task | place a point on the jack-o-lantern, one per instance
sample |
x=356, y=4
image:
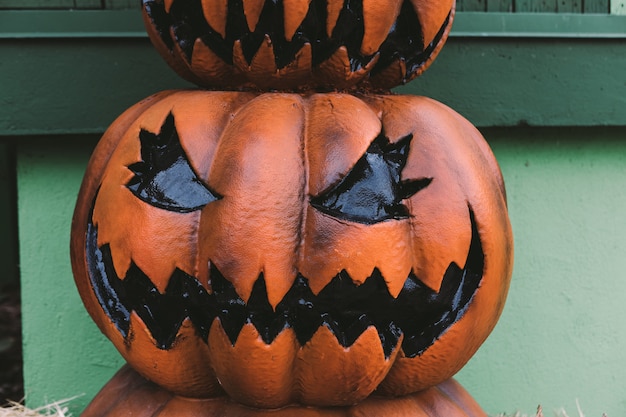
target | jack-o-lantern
x=297, y=44
x=290, y=248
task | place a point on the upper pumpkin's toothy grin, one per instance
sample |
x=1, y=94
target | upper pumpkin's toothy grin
x=184, y=23
x=347, y=309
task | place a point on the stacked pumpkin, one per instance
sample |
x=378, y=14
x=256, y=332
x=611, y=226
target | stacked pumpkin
x=327, y=248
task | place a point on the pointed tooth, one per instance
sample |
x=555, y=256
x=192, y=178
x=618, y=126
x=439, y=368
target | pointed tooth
x=239, y=59
x=330, y=245
x=339, y=61
x=396, y=271
x=407, y=373
x=125, y=251
x=333, y=10
x=440, y=236
x=233, y=275
x=295, y=12
x=172, y=368
x=359, y=272
x=378, y=18
x=264, y=60
x=252, y=10
x=394, y=266
x=391, y=76
x=211, y=68
x=301, y=66
x=173, y=56
x=430, y=276
x=120, y=254
x=264, y=57
x=337, y=71
x=252, y=372
x=321, y=281
x=431, y=16
x=215, y=13
x=243, y=287
x=278, y=283
x=180, y=62
x=329, y=373
x=430, y=269
x=168, y=5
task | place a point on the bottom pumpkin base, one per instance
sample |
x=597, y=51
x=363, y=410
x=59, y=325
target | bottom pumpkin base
x=129, y=394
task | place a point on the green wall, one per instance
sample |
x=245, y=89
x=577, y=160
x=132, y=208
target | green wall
x=561, y=336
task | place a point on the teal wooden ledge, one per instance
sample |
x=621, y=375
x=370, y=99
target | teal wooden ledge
x=37, y=24
x=73, y=72
x=21, y=24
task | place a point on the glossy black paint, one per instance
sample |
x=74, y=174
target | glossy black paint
x=347, y=309
x=404, y=42
x=164, y=178
x=373, y=190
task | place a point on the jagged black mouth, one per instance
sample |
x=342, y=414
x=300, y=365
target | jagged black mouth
x=185, y=19
x=419, y=313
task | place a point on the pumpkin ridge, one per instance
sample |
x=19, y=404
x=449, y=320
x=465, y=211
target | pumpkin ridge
x=306, y=166
x=339, y=306
x=121, y=391
x=161, y=407
x=455, y=392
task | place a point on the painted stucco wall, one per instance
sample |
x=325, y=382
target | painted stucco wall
x=561, y=337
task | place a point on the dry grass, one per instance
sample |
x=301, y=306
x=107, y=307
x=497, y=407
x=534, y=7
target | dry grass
x=57, y=409
x=559, y=413
x=539, y=414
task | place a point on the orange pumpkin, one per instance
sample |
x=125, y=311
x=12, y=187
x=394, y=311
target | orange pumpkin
x=290, y=248
x=129, y=394
x=296, y=44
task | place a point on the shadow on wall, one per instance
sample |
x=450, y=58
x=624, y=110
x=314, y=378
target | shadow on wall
x=11, y=381
x=8, y=216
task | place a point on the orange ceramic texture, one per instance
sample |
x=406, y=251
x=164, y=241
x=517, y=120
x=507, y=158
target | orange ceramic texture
x=128, y=394
x=298, y=44
x=292, y=248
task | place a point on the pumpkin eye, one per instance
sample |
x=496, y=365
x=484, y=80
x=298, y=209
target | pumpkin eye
x=164, y=178
x=373, y=190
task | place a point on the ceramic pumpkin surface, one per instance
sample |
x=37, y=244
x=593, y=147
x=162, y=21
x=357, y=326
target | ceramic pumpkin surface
x=278, y=242
x=295, y=44
x=129, y=394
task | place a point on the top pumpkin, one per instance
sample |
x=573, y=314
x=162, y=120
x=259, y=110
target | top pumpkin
x=298, y=44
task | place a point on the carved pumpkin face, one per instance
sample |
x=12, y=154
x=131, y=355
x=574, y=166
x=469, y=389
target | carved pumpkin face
x=296, y=248
x=289, y=44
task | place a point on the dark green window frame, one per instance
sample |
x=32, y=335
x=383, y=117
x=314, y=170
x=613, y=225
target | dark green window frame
x=123, y=23
x=497, y=69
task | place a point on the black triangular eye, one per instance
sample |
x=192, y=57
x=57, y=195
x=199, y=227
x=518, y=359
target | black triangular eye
x=373, y=190
x=164, y=178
